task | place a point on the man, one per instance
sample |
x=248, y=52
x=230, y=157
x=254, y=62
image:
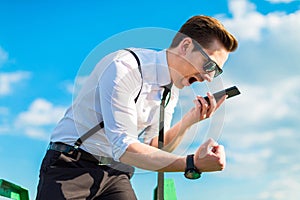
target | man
x=114, y=121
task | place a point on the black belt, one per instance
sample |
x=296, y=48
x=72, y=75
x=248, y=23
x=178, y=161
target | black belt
x=80, y=154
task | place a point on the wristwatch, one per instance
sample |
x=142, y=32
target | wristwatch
x=191, y=172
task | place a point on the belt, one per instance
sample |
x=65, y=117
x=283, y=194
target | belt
x=79, y=154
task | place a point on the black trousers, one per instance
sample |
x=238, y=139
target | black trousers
x=62, y=177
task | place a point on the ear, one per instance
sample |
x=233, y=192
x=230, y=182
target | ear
x=185, y=45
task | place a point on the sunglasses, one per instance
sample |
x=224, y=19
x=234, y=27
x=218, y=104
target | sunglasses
x=210, y=65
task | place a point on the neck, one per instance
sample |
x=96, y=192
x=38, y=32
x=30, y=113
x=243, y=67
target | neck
x=174, y=64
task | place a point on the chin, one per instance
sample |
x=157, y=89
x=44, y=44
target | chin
x=179, y=85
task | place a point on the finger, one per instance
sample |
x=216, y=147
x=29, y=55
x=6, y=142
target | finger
x=212, y=146
x=204, y=107
x=220, y=153
x=222, y=100
x=212, y=99
x=218, y=149
x=202, y=101
x=210, y=143
x=197, y=102
x=197, y=107
x=213, y=104
x=205, y=148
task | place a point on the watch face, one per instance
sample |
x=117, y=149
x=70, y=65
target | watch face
x=192, y=174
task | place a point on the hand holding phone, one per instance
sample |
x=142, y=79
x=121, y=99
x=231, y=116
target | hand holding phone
x=230, y=92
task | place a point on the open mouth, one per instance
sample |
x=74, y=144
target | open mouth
x=192, y=80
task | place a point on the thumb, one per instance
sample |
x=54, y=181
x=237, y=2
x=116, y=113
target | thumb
x=205, y=148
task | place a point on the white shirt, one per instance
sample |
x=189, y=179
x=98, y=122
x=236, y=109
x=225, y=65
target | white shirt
x=108, y=95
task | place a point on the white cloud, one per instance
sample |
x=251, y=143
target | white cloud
x=40, y=114
x=261, y=136
x=253, y=153
x=283, y=188
x=3, y=56
x=37, y=133
x=280, y=1
x=8, y=79
x=4, y=120
x=70, y=87
x=261, y=129
x=248, y=24
x=263, y=104
x=4, y=128
x=241, y=164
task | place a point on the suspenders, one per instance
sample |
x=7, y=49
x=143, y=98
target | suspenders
x=99, y=126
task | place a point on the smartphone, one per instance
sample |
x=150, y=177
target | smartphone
x=230, y=92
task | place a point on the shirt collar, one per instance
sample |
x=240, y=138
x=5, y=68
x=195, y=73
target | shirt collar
x=163, y=74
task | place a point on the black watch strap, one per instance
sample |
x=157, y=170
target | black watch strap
x=191, y=172
x=190, y=162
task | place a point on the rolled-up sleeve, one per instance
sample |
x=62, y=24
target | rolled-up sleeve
x=118, y=87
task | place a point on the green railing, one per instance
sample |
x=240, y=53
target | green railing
x=9, y=190
x=169, y=190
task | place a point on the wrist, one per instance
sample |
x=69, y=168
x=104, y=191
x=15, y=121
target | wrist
x=191, y=172
x=187, y=121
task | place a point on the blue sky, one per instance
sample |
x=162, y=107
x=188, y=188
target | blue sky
x=44, y=43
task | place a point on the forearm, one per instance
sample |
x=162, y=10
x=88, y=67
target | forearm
x=150, y=158
x=173, y=136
